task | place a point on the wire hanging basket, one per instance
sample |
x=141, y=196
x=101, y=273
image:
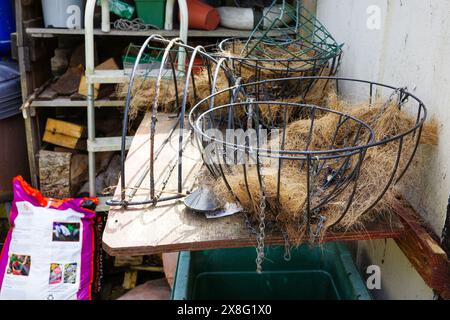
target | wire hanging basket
x=328, y=170
x=288, y=41
x=167, y=77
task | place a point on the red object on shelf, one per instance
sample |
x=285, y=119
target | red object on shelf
x=197, y=67
x=202, y=16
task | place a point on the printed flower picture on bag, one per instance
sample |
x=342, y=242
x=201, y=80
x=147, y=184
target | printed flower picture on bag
x=19, y=265
x=56, y=273
x=63, y=231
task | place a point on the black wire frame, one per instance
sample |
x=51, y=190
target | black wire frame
x=325, y=63
x=174, y=52
x=314, y=160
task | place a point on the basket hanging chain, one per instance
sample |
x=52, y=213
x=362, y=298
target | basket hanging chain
x=262, y=217
x=261, y=234
x=316, y=234
x=287, y=246
x=396, y=93
x=314, y=172
x=172, y=166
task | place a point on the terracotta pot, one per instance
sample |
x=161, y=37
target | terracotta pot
x=202, y=16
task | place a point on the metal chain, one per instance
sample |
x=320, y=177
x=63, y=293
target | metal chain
x=395, y=93
x=248, y=224
x=262, y=226
x=315, y=234
x=164, y=183
x=133, y=25
x=169, y=174
x=287, y=246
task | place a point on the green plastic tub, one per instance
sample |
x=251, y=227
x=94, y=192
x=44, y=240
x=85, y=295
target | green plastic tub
x=313, y=273
x=151, y=11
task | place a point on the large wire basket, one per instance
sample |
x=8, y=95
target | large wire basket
x=330, y=169
x=288, y=41
x=183, y=76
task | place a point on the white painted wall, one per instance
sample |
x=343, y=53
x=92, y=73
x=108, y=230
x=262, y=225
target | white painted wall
x=411, y=48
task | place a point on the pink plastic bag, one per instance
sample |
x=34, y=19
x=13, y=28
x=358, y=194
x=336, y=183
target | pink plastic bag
x=49, y=250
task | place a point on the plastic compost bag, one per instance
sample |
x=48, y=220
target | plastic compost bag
x=49, y=250
x=120, y=8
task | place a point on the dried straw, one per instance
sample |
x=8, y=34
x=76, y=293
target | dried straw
x=144, y=90
x=289, y=211
x=271, y=58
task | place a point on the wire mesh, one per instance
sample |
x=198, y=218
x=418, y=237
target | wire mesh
x=288, y=41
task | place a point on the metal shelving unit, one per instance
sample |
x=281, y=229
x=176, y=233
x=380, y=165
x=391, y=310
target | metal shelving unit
x=30, y=31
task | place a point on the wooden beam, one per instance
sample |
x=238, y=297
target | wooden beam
x=423, y=250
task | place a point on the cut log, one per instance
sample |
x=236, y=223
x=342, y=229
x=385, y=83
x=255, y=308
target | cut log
x=78, y=171
x=54, y=173
x=69, y=82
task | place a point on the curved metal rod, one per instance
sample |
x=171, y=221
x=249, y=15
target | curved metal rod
x=400, y=176
x=213, y=168
x=373, y=144
x=178, y=42
x=388, y=184
x=125, y=116
x=182, y=115
x=335, y=152
x=154, y=113
x=352, y=195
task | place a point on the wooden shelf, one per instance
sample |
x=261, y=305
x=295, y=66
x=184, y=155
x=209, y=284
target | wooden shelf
x=108, y=76
x=108, y=144
x=66, y=102
x=218, y=33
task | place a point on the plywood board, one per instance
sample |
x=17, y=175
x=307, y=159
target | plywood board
x=169, y=226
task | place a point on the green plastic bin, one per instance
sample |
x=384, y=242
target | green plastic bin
x=313, y=273
x=151, y=11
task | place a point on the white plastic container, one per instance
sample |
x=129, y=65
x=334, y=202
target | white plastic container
x=244, y=18
x=63, y=13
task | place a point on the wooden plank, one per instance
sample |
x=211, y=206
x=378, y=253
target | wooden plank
x=65, y=128
x=109, y=64
x=108, y=76
x=65, y=134
x=32, y=75
x=82, y=89
x=129, y=280
x=66, y=102
x=27, y=88
x=169, y=226
x=47, y=95
x=123, y=261
x=63, y=140
x=108, y=144
x=424, y=251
